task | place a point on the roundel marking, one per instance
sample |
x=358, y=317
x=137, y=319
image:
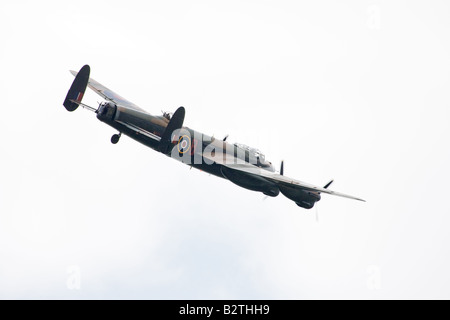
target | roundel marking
x=184, y=144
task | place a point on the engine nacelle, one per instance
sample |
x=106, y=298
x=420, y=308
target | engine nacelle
x=251, y=182
x=303, y=198
x=305, y=205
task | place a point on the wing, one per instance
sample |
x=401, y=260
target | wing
x=283, y=180
x=109, y=94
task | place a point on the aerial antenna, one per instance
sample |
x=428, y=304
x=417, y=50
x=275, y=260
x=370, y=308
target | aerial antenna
x=167, y=115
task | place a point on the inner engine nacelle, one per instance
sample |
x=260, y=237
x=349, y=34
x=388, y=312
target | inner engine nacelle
x=251, y=182
x=302, y=198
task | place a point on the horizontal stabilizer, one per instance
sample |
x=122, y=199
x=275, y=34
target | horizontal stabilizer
x=77, y=90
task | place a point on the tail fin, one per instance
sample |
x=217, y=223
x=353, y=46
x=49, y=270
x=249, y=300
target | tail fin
x=175, y=123
x=77, y=90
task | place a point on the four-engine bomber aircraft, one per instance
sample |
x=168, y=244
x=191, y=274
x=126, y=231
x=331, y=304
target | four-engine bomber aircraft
x=242, y=165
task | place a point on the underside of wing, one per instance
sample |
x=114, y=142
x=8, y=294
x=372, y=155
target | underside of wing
x=285, y=183
x=109, y=94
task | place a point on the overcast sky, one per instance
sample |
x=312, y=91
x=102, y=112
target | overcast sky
x=356, y=91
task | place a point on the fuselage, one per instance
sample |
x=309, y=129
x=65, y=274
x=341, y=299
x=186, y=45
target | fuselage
x=190, y=145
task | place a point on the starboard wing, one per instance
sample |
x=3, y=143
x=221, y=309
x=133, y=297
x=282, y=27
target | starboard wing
x=286, y=181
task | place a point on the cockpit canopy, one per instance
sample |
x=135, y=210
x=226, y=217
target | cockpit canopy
x=252, y=151
x=256, y=157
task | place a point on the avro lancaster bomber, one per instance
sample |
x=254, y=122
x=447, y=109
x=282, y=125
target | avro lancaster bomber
x=244, y=166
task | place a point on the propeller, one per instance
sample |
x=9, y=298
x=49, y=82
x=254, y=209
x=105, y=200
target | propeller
x=317, y=205
x=328, y=184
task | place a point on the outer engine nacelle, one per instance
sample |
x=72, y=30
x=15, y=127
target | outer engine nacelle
x=304, y=199
x=251, y=182
x=305, y=205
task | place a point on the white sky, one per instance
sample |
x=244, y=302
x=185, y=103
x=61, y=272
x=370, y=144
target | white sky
x=356, y=91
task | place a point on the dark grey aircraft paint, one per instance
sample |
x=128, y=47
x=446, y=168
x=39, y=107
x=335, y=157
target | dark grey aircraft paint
x=242, y=165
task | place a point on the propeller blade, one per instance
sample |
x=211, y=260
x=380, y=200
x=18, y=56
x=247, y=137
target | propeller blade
x=328, y=184
x=282, y=168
